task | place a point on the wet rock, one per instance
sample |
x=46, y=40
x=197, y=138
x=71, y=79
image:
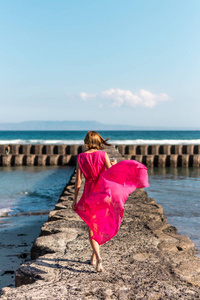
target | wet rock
x=23, y=255
x=52, y=243
x=8, y=272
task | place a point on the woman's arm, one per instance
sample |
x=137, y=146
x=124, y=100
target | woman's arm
x=108, y=163
x=77, y=184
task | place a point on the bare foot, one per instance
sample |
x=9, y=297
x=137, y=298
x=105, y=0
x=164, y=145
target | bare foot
x=99, y=266
x=93, y=259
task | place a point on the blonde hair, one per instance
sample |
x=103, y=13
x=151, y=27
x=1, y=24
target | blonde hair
x=93, y=140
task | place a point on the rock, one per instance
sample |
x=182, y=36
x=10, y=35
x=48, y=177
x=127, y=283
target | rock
x=8, y=272
x=53, y=227
x=52, y=243
x=62, y=214
x=141, y=256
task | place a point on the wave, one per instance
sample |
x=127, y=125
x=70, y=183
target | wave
x=4, y=211
x=43, y=142
x=156, y=142
x=114, y=142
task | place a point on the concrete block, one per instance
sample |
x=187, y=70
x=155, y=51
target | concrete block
x=196, y=149
x=36, y=149
x=139, y=158
x=164, y=149
x=72, y=149
x=162, y=160
x=5, y=149
x=2, y=149
x=185, y=160
x=149, y=161
x=131, y=149
x=121, y=149
x=155, y=149
x=6, y=160
x=52, y=160
x=41, y=160
x=14, y=149
x=65, y=159
x=29, y=160
x=60, y=149
x=187, y=149
x=26, y=149
x=190, y=149
x=176, y=149
x=173, y=160
x=49, y=149
x=144, y=149
x=18, y=160
x=196, y=160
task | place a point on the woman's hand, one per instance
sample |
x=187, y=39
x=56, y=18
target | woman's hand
x=74, y=205
x=113, y=162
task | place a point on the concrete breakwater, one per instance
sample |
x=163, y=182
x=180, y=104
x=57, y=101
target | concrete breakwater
x=149, y=155
x=147, y=259
x=38, y=155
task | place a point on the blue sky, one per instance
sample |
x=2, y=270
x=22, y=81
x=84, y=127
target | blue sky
x=117, y=62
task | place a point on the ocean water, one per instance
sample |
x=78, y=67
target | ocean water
x=116, y=137
x=177, y=190
x=27, y=194
x=30, y=190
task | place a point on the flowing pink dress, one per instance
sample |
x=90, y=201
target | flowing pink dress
x=102, y=203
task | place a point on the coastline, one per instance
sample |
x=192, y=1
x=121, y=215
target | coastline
x=27, y=196
x=149, y=258
x=16, y=244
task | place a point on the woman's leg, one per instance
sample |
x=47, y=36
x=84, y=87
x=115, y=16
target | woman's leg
x=96, y=252
x=95, y=246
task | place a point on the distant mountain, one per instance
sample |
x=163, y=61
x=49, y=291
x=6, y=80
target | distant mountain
x=63, y=125
x=77, y=125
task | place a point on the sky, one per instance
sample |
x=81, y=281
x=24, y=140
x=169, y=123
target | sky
x=134, y=62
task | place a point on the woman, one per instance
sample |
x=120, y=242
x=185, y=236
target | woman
x=107, y=186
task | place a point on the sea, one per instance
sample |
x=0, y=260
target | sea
x=26, y=191
x=116, y=137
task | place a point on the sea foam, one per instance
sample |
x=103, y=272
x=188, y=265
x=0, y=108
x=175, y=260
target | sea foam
x=114, y=142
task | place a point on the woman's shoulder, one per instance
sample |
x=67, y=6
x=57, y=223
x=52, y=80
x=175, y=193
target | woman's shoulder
x=97, y=151
x=101, y=152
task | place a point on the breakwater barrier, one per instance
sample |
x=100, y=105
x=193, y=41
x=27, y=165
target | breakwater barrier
x=149, y=155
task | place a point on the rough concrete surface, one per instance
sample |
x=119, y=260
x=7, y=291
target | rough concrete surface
x=147, y=259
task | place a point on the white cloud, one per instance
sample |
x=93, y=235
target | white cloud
x=120, y=97
x=86, y=96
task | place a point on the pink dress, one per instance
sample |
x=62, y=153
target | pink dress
x=102, y=203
